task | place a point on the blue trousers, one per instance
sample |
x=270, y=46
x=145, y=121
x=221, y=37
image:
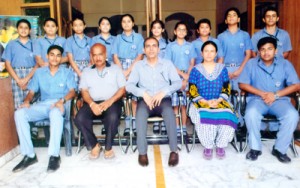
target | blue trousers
x=36, y=112
x=284, y=111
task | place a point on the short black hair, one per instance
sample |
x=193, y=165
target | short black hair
x=266, y=40
x=149, y=39
x=204, y=20
x=23, y=21
x=236, y=10
x=207, y=43
x=78, y=18
x=127, y=15
x=270, y=8
x=104, y=18
x=52, y=47
x=51, y=20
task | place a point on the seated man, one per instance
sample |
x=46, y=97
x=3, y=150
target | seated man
x=102, y=87
x=56, y=85
x=157, y=79
x=269, y=81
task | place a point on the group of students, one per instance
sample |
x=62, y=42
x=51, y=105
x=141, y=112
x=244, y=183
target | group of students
x=208, y=67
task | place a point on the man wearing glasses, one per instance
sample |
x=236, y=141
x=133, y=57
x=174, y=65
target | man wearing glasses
x=102, y=87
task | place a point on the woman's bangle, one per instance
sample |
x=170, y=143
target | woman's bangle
x=91, y=105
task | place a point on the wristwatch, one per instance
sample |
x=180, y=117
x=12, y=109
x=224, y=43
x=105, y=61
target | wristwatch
x=276, y=95
x=64, y=100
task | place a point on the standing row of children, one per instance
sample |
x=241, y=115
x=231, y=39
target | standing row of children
x=23, y=55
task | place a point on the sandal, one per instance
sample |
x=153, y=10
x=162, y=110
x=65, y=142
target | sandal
x=95, y=153
x=109, y=154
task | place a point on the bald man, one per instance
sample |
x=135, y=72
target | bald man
x=102, y=87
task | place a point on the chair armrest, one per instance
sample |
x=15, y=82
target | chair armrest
x=243, y=103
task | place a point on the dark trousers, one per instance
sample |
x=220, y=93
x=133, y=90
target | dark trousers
x=143, y=112
x=110, y=118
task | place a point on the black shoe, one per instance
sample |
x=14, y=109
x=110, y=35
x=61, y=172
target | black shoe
x=155, y=128
x=27, y=161
x=253, y=154
x=54, y=164
x=143, y=160
x=103, y=131
x=281, y=157
x=134, y=132
x=163, y=130
x=126, y=132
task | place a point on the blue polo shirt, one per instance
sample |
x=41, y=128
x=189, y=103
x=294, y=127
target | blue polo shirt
x=277, y=76
x=18, y=54
x=283, y=40
x=79, y=48
x=52, y=87
x=234, y=46
x=197, y=44
x=180, y=55
x=128, y=47
x=41, y=46
x=108, y=43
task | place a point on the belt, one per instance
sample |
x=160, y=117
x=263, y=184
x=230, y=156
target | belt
x=82, y=62
x=22, y=68
x=231, y=65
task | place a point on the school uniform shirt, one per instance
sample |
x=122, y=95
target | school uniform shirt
x=198, y=45
x=283, y=40
x=52, y=86
x=19, y=55
x=108, y=43
x=128, y=47
x=234, y=46
x=162, y=47
x=79, y=48
x=180, y=55
x=277, y=76
x=41, y=45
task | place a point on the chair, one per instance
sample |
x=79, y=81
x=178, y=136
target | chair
x=98, y=121
x=154, y=137
x=235, y=100
x=269, y=118
x=68, y=127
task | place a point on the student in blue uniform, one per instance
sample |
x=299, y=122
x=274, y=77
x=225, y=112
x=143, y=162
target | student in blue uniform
x=284, y=46
x=56, y=86
x=236, y=45
x=78, y=48
x=20, y=62
x=105, y=37
x=269, y=81
x=203, y=29
x=41, y=45
x=182, y=54
x=158, y=31
x=127, y=50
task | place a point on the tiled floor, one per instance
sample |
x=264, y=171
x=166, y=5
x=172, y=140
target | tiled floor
x=123, y=171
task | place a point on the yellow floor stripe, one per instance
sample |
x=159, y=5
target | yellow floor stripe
x=160, y=178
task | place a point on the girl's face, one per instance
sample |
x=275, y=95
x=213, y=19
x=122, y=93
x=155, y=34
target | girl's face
x=204, y=29
x=23, y=30
x=78, y=26
x=50, y=28
x=104, y=26
x=180, y=31
x=127, y=23
x=157, y=30
x=209, y=53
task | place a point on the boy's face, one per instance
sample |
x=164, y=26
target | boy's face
x=232, y=18
x=271, y=18
x=204, y=29
x=23, y=30
x=54, y=57
x=267, y=52
x=50, y=28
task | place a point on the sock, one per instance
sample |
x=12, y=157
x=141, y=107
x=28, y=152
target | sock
x=127, y=122
x=133, y=124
